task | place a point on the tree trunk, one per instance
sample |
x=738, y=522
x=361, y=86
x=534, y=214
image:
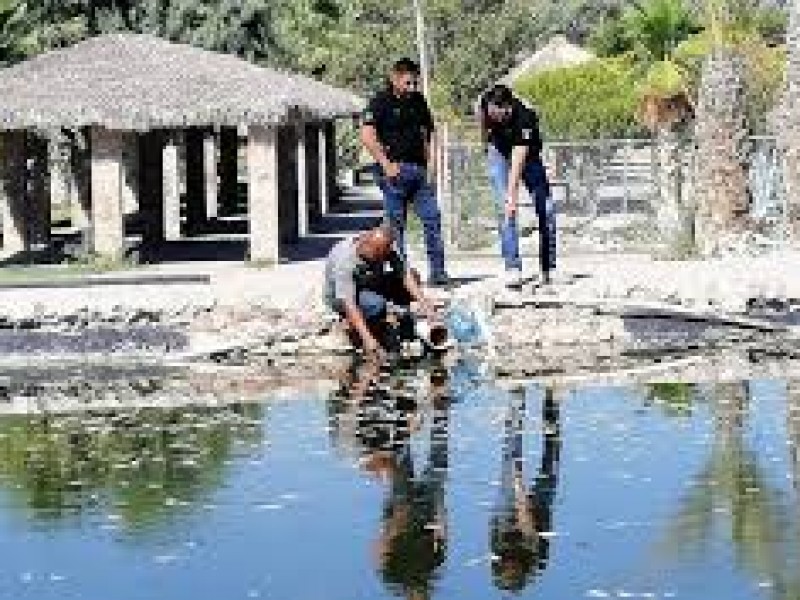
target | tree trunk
x=789, y=119
x=721, y=132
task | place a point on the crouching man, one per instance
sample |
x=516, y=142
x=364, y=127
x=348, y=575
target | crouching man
x=365, y=277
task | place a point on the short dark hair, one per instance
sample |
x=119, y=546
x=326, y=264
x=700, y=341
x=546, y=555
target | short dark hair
x=406, y=65
x=500, y=95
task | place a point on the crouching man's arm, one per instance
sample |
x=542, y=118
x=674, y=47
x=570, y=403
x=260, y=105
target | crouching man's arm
x=346, y=295
x=355, y=318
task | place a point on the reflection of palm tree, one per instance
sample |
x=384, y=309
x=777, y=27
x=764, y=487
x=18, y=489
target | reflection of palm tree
x=793, y=430
x=519, y=547
x=375, y=414
x=731, y=493
x=149, y=462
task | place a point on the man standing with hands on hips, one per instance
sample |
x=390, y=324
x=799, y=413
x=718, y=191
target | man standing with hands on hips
x=397, y=130
x=510, y=133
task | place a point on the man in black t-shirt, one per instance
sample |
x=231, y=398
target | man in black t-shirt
x=510, y=131
x=397, y=131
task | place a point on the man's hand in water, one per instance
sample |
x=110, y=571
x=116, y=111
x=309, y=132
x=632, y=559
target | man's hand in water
x=372, y=348
x=427, y=309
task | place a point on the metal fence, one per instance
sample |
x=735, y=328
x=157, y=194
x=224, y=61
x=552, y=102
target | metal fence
x=595, y=183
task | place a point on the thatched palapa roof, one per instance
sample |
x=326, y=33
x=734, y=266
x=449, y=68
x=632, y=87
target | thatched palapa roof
x=141, y=82
x=556, y=54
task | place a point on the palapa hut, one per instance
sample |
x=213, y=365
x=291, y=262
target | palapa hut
x=141, y=103
x=558, y=53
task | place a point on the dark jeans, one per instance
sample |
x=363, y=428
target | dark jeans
x=374, y=303
x=375, y=299
x=412, y=185
x=535, y=179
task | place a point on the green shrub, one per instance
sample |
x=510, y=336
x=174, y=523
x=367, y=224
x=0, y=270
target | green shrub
x=764, y=75
x=597, y=99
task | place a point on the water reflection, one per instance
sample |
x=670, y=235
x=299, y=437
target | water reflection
x=521, y=526
x=382, y=411
x=147, y=464
x=733, y=496
x=682, y=489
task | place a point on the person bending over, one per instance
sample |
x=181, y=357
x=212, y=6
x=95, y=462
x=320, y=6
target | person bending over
x=510, y=132
x=365, y=277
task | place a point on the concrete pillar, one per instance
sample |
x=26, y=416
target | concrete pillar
x=39, y=202
x=313, y=186
x=130, y=174
x=303, y=197
x=60, y=193
x=263, y=193
x=107, y=180
x=12, y=191
x=151, y=190
x=228, y=170
x=80, y=186
x=210, y=172
x=287, y=184
x=195, y=180
x=324, y=179
x=171, y=188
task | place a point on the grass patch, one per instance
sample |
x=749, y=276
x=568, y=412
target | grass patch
x=261, y=264
x=72, y=269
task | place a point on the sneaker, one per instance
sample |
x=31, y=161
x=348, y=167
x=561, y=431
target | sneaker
x=439, y=280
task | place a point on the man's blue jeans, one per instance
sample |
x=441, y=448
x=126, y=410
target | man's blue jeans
x=412, y=185
x=535, y=179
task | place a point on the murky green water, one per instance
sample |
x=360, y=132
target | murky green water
x=426, y=485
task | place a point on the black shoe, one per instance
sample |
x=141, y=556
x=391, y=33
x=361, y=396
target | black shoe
x=546, y=278
x=439, y=280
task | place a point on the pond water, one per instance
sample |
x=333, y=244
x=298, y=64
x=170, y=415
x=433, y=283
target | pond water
x=434, y=483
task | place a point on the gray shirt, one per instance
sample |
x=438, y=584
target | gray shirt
x=346, y=271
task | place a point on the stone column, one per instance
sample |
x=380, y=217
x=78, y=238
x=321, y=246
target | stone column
x=80, y=187
x=303, y=197
x=130, y=174
x=210, y=171
x=195, y=180
x=59, y=176
x=228, y=170
x=324, y=180
x=171, y=188
x=107, y=173
x=263, y=193
x=39, y=202
x=12, y=191
x=313, y=170
x=151, y=191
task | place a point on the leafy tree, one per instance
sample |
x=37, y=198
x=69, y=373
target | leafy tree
x=652, y=29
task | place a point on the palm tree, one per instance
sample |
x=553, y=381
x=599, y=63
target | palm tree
x=721, y=130
x=789, y=133
x=656, y=27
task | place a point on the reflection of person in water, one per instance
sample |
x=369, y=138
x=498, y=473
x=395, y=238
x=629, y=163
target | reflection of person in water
x=525, y=513
x=378, y=412
x=412, y=542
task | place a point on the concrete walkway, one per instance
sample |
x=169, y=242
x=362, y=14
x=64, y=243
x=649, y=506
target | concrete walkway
x=296, y=284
